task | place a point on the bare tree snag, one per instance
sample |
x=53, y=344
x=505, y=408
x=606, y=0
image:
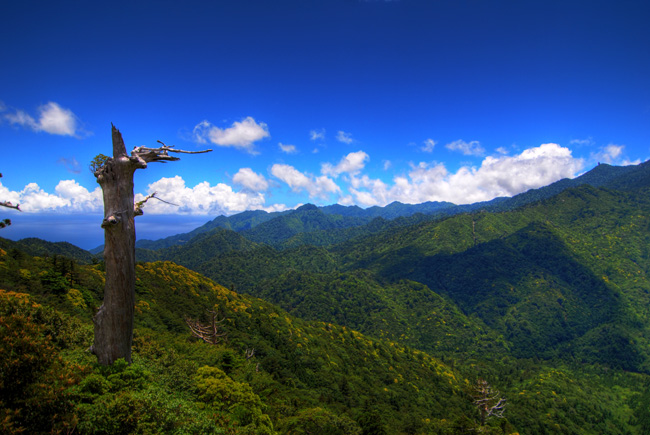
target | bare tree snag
x=114, y=319
x=488, y=401
x=211, y=333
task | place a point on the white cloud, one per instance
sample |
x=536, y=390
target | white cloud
x=202, y=199
x=344, y=137
x=582, y=142
x=387, y=165
x=289, y=149
x=497, y=176
x=472, y=148
x=317, y=134
x=8, y=195
x=614, y=155
x=70, y=197
x=608, y=154
x=251, y=180
x=80, y=199
x=23, y=119
x=242, y=135
x=428, y=145
x=56, y=120
x=52, y=119
x=351, y=164
x=316, y=187
x=424, y=181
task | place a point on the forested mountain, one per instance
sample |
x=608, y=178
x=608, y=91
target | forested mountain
x=38, y=247
x=239, y=222
x=570, y=270
x=370, y=324
x=269, y=372
x=391, y=211
x=305, y=219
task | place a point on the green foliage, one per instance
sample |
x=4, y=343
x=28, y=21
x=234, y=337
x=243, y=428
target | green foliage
x=41, y=248
x=35, y=380
x=217, y=389
x=321, y=421
x=381, y=334
x=97, y=163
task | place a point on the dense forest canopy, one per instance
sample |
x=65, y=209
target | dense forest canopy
x=527, y=315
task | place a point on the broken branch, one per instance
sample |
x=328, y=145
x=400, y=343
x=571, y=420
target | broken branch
x=138, y=205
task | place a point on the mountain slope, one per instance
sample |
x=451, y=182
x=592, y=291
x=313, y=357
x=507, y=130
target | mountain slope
x=201, y=247
x=274, y=372
x=239, y=222
x=271, y=362
x=304, y=219
x=39, y=247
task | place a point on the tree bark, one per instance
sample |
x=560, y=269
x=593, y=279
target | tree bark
x=114, y=320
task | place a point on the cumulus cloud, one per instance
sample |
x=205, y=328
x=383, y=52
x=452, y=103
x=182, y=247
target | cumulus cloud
x=344, y=137
x=316, y=187
x=472, y=148
x=497, y=176
x=202, y=199
x=52, y=119
x=70, y=197
x=351, y=164
x=241, y=135
x=428, y=145
x=79, y=198
x=250, y=180
x=317, y=134
x=289, y=149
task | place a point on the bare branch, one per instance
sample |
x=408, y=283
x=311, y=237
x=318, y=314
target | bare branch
x=208, y=333
x=161, y=154
x=138, y=205
x=8, y=204
x=487, y=401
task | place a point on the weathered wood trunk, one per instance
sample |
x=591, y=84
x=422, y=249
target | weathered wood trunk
x=114, y=320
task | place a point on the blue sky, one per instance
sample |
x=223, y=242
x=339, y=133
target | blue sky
x=351, y=102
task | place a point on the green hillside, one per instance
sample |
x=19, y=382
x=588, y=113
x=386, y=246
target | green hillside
x=269, y=373
x=38, y=247
x=560, y=278
x=304, y=219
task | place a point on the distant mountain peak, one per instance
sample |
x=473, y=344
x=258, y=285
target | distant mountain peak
x=307, y=207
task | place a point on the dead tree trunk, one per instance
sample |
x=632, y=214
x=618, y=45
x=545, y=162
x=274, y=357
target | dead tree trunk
x=114, y=319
